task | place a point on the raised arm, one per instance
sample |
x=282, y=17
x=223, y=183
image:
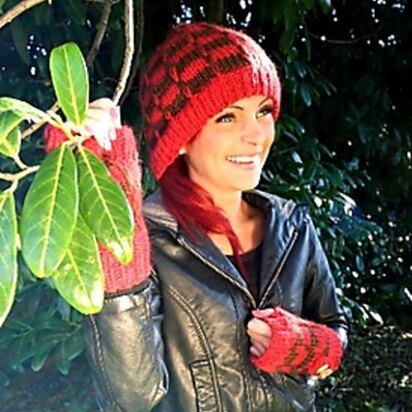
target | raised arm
x=123, y=342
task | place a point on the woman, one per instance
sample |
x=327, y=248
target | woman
x=239, y=311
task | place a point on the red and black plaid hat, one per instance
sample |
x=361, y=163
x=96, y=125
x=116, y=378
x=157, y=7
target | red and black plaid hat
x=198, y=71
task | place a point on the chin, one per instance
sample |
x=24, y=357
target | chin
x=246, y=185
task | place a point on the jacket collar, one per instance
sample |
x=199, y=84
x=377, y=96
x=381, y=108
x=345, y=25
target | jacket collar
x=283, y=217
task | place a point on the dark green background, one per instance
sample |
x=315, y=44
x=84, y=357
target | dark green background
x=343, y=147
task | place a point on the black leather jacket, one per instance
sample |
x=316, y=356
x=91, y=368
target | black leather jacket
x=179, y=343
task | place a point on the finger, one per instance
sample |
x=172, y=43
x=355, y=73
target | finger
x=254, y=351
x=263, y=340
x=103, y=139
x=104, y=103
x=262, y=313
x=325, y=373
x=101, y=129
x=261, y=349
x=107, y=106
x=323, y=368
x=260, y=327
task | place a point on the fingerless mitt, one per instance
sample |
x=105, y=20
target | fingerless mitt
x=298, y=345
x=124, y=166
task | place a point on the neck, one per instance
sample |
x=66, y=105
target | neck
x=233, y=207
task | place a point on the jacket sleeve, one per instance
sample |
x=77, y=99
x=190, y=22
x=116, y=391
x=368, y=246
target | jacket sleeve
x=320, y=302
x=125, y=350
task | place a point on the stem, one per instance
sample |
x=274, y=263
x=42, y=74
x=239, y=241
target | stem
x=139, y=42
x=15, y=177
x=27, y=132
x=337, y=41
x=101, y=30
x=19, y=162
x=129, y=50
x=19, y=9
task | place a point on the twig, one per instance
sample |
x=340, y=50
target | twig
x=215, y=11
x=19, y=9
x=101, y=30
x=336, y=41
x=13, y=177
x=129, y=50
x=27, y=132
x=102, y=26
x=19, y=162
x=139, y=32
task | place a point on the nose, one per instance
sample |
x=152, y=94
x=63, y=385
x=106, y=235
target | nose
x=252, y=131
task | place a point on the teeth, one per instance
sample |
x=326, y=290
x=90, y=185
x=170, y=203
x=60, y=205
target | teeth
x=242, y=159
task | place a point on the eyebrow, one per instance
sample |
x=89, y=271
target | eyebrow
x=241, y=108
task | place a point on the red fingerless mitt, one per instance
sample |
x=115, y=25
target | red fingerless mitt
x=298, y=345
x=124, y=166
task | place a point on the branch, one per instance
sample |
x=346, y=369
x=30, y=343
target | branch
x=101, y=30
x=102, y=26
x=336, y=41
x=139, y=31
x=20, y=8
x=129, y=50
x=27, y=132
x=215, y=11
x=15, y=177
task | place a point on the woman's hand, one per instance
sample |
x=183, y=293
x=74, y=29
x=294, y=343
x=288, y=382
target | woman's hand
x=260, y=333
x=102, y=120
x=296, y=345
x=116, y=146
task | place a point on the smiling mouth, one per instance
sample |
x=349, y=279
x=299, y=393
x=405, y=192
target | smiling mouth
x=244, y=160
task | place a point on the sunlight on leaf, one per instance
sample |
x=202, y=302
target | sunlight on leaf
x=8, y=256
x=70, y=81
x=50, y=212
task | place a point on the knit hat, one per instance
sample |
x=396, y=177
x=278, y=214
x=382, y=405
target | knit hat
x=198, y=71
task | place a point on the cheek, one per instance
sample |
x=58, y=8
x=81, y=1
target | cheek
x=270, y=138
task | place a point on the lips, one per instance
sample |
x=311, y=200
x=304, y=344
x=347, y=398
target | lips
x=244, y=159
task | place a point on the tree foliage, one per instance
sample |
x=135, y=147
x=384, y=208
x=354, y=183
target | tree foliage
x=343, y=139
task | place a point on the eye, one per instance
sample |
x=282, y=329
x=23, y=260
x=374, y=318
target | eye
x=225, y=118
x=265, y=110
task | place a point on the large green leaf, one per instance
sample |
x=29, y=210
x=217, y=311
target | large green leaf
x=8, y=254
x=10, y=146
x=70, y=81
x=21, y=108
x=79, y=277
x=50, y=212
x=104, y=206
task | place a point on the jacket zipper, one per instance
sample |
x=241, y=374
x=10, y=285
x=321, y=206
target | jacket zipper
x=279, y=269
x=221, y=272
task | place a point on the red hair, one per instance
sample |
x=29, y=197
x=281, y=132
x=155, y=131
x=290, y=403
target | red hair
x=193, y=207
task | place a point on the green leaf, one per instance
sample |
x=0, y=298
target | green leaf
x=326, y=6
x=305, y=94
x=8, y=255
x=308, y=4
x=70, y=81
x=20, y=40
x=22, y=109
x=42, y=353
x=50, y=212
x=9, y=121
x=79, y=278
x=104, y=207
x=11, y=145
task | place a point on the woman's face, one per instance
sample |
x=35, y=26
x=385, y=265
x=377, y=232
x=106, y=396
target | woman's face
x=229, y=152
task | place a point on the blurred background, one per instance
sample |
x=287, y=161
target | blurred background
x=343, y=148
